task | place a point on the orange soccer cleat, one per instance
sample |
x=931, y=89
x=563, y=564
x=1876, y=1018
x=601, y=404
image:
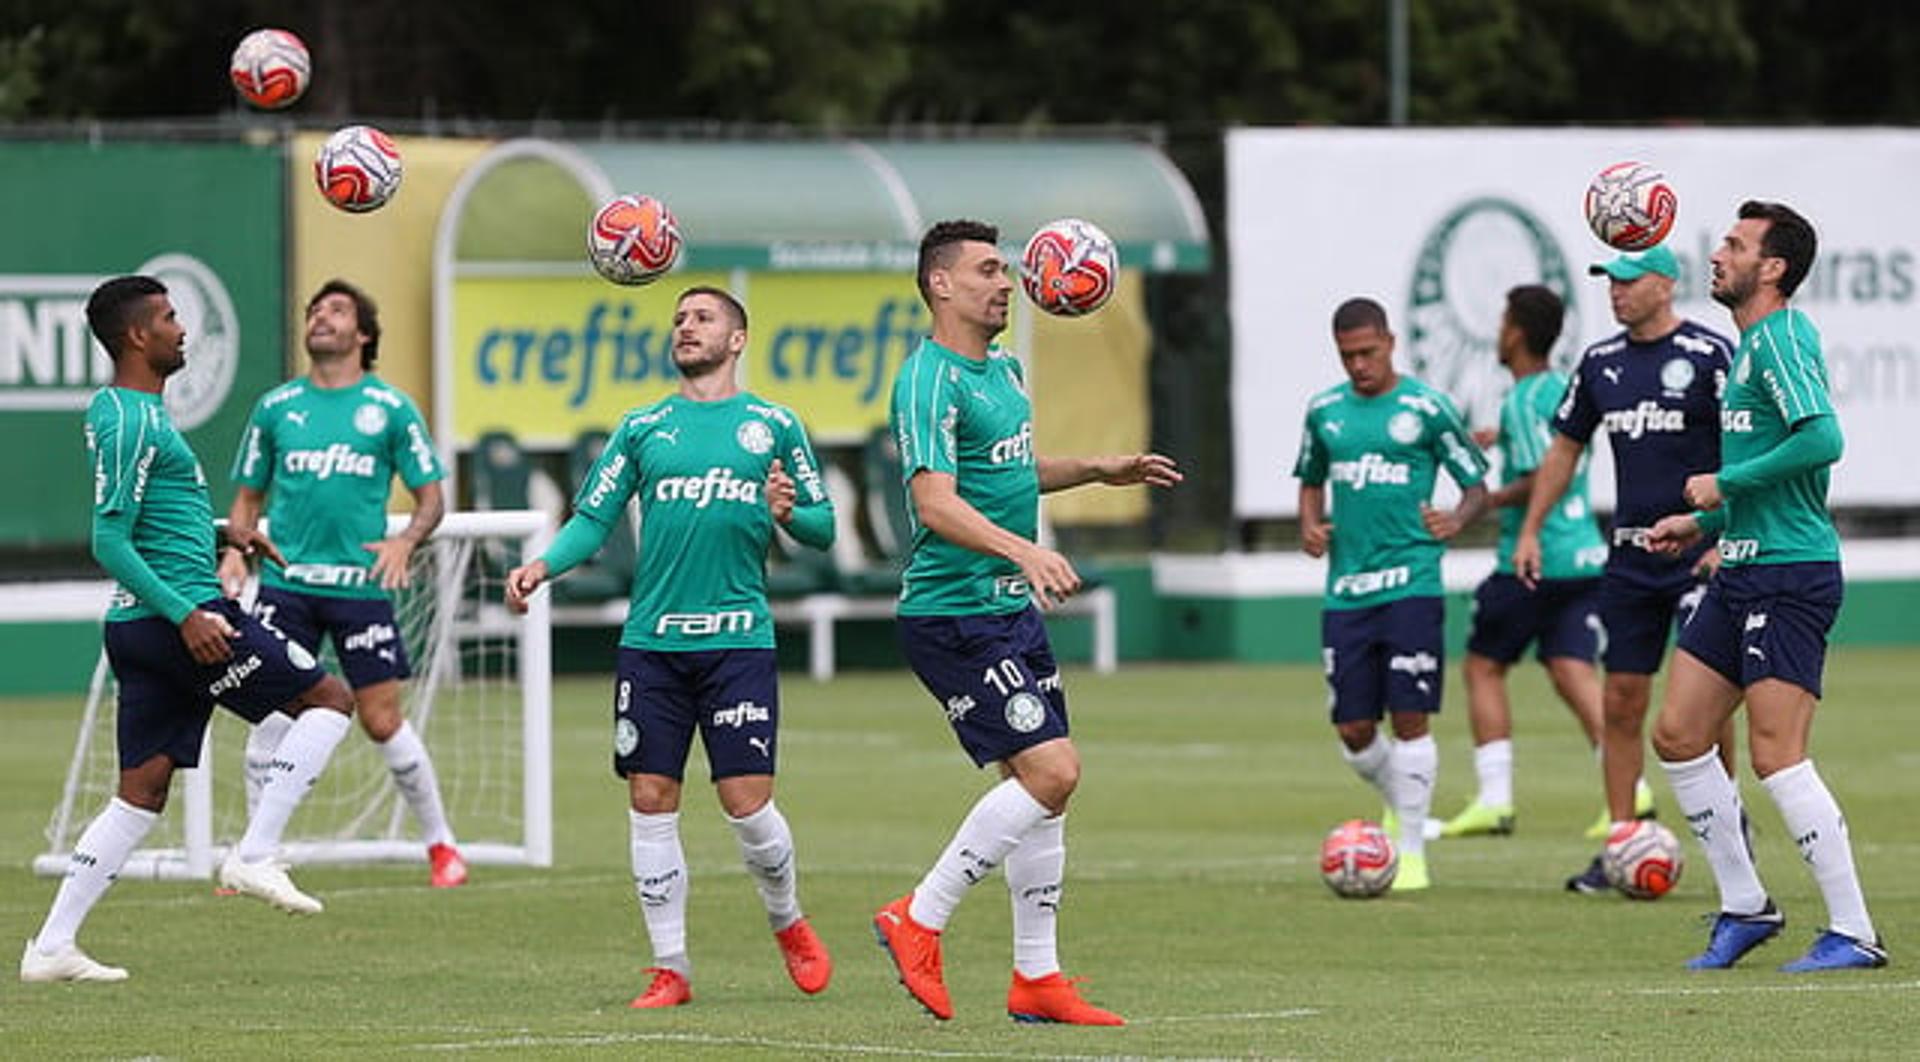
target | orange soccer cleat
x=1054, y=999
x=807, y=960
x=915, y=951
x=449, y=870
x=668, y=989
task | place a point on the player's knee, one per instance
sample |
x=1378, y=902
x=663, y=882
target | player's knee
x=1410, y=726
x=1676, y=742
x=653, y=794
x=329, y=693
x=145, y=795
x=1357, y=734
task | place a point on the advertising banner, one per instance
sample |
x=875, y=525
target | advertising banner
x=1438, y=224
x=206, y=219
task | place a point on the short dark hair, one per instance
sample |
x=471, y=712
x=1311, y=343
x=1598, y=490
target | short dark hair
x=1789, y=237
x=113, y=307
x=1538, y=313
x=732, y=304
x=936, y=248
x=1360, y=313
x=366, y=316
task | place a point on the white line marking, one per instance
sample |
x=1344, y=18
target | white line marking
x=827, y=1048
x=1250, y=1015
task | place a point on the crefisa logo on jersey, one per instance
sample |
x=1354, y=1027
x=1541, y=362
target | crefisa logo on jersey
x=50, y=361
x=1474, y=253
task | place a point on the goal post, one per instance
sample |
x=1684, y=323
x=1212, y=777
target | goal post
x=480, y=698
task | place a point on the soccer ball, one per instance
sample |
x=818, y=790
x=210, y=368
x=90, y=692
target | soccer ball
x=1631, y=206
x=1357, y=860
x=358, y=169
x=1069, y=267
x=270, y=68
x=1642, y=859
x=633, y=239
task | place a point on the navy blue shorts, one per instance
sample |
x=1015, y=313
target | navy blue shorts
x=1640, y=619
x=166, y=697
x=365, y=636
x=994, y=676
x=1562, y=615
x=1767, y=621
x=732, y=696
x=1384, y=658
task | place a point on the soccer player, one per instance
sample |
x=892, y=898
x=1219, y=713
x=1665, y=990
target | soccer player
x=1760, y=634
x=1654, y=388
x=175, y=643
x=326, y=448
x=969, y=626
x=716, y=469
x=1561, y=611
x=1380, y=439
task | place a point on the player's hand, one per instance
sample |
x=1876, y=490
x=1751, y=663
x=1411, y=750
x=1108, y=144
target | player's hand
x=522, y=582
x=1441, y=523
x=207, y=634
x=392, y=558
x=1485, y=437
x=1703, y=491
x=780, y=492
x=1155, y=470
x=232, y=573
x=1526, y=559
x=1314, y=540
x=1673, y=534
x=1707, y=565
x=254, y=544
x=1050, y=576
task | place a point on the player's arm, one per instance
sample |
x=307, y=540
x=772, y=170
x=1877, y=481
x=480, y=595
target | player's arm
x=1468, y=468
x=411, y=451
x=795, y=496
x=596, y=510
x=1316, y=534
x=1547, y=486
x=1124, y=470
x=1812, y=443
x=253, y=466
x=937, y=501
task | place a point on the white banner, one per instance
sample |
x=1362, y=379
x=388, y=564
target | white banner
x=1438, y=224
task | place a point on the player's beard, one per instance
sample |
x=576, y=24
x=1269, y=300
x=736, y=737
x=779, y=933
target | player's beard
x=699, y=362
x=1737, y=289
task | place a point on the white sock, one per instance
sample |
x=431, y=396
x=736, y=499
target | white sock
x=1035, y=870
x=413, y=772
x=1411, y=769
x=297, y=763
x=660, y=879
x=97, y=858
x=997, y=822
x=1814, y=819
x=766, y=846
x=1493, y=763
x=1370, y=763
x=261, y=741
x=1711, y=805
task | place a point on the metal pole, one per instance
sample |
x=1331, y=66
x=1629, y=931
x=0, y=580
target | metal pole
x=1397, y=62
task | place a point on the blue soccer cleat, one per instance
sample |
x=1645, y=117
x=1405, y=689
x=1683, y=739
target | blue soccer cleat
x=1735, y=935
x=1837, y=951
x=1591, y=881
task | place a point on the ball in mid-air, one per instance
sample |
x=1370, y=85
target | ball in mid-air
x=1069, y=267
x=633, y=239
x=270, y=68
x=1631, y=206
x=358, y=169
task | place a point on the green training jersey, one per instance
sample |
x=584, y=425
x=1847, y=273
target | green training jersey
x=1381, y=454
x=700, y=470
x=971, y=420
x=1571, y=546
x=326, y=457
x=1779, y=379
x=146, y=478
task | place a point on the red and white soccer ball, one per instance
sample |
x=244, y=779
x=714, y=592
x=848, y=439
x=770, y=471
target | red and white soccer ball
x=270, y=68
x=1069, y=267
x=1357, y=860
x=633, y=239
x=358, y=169
x=1642, y=859
x=1631, y=206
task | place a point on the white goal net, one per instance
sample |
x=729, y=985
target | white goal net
x=480, y=698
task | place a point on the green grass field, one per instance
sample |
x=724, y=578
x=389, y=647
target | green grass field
x=1192, y=903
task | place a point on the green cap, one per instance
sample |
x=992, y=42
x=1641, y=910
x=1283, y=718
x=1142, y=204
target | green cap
x=1656, y=259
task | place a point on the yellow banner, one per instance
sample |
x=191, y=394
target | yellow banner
x=549, y=357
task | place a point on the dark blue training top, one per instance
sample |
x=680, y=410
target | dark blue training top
x=1659, y=403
